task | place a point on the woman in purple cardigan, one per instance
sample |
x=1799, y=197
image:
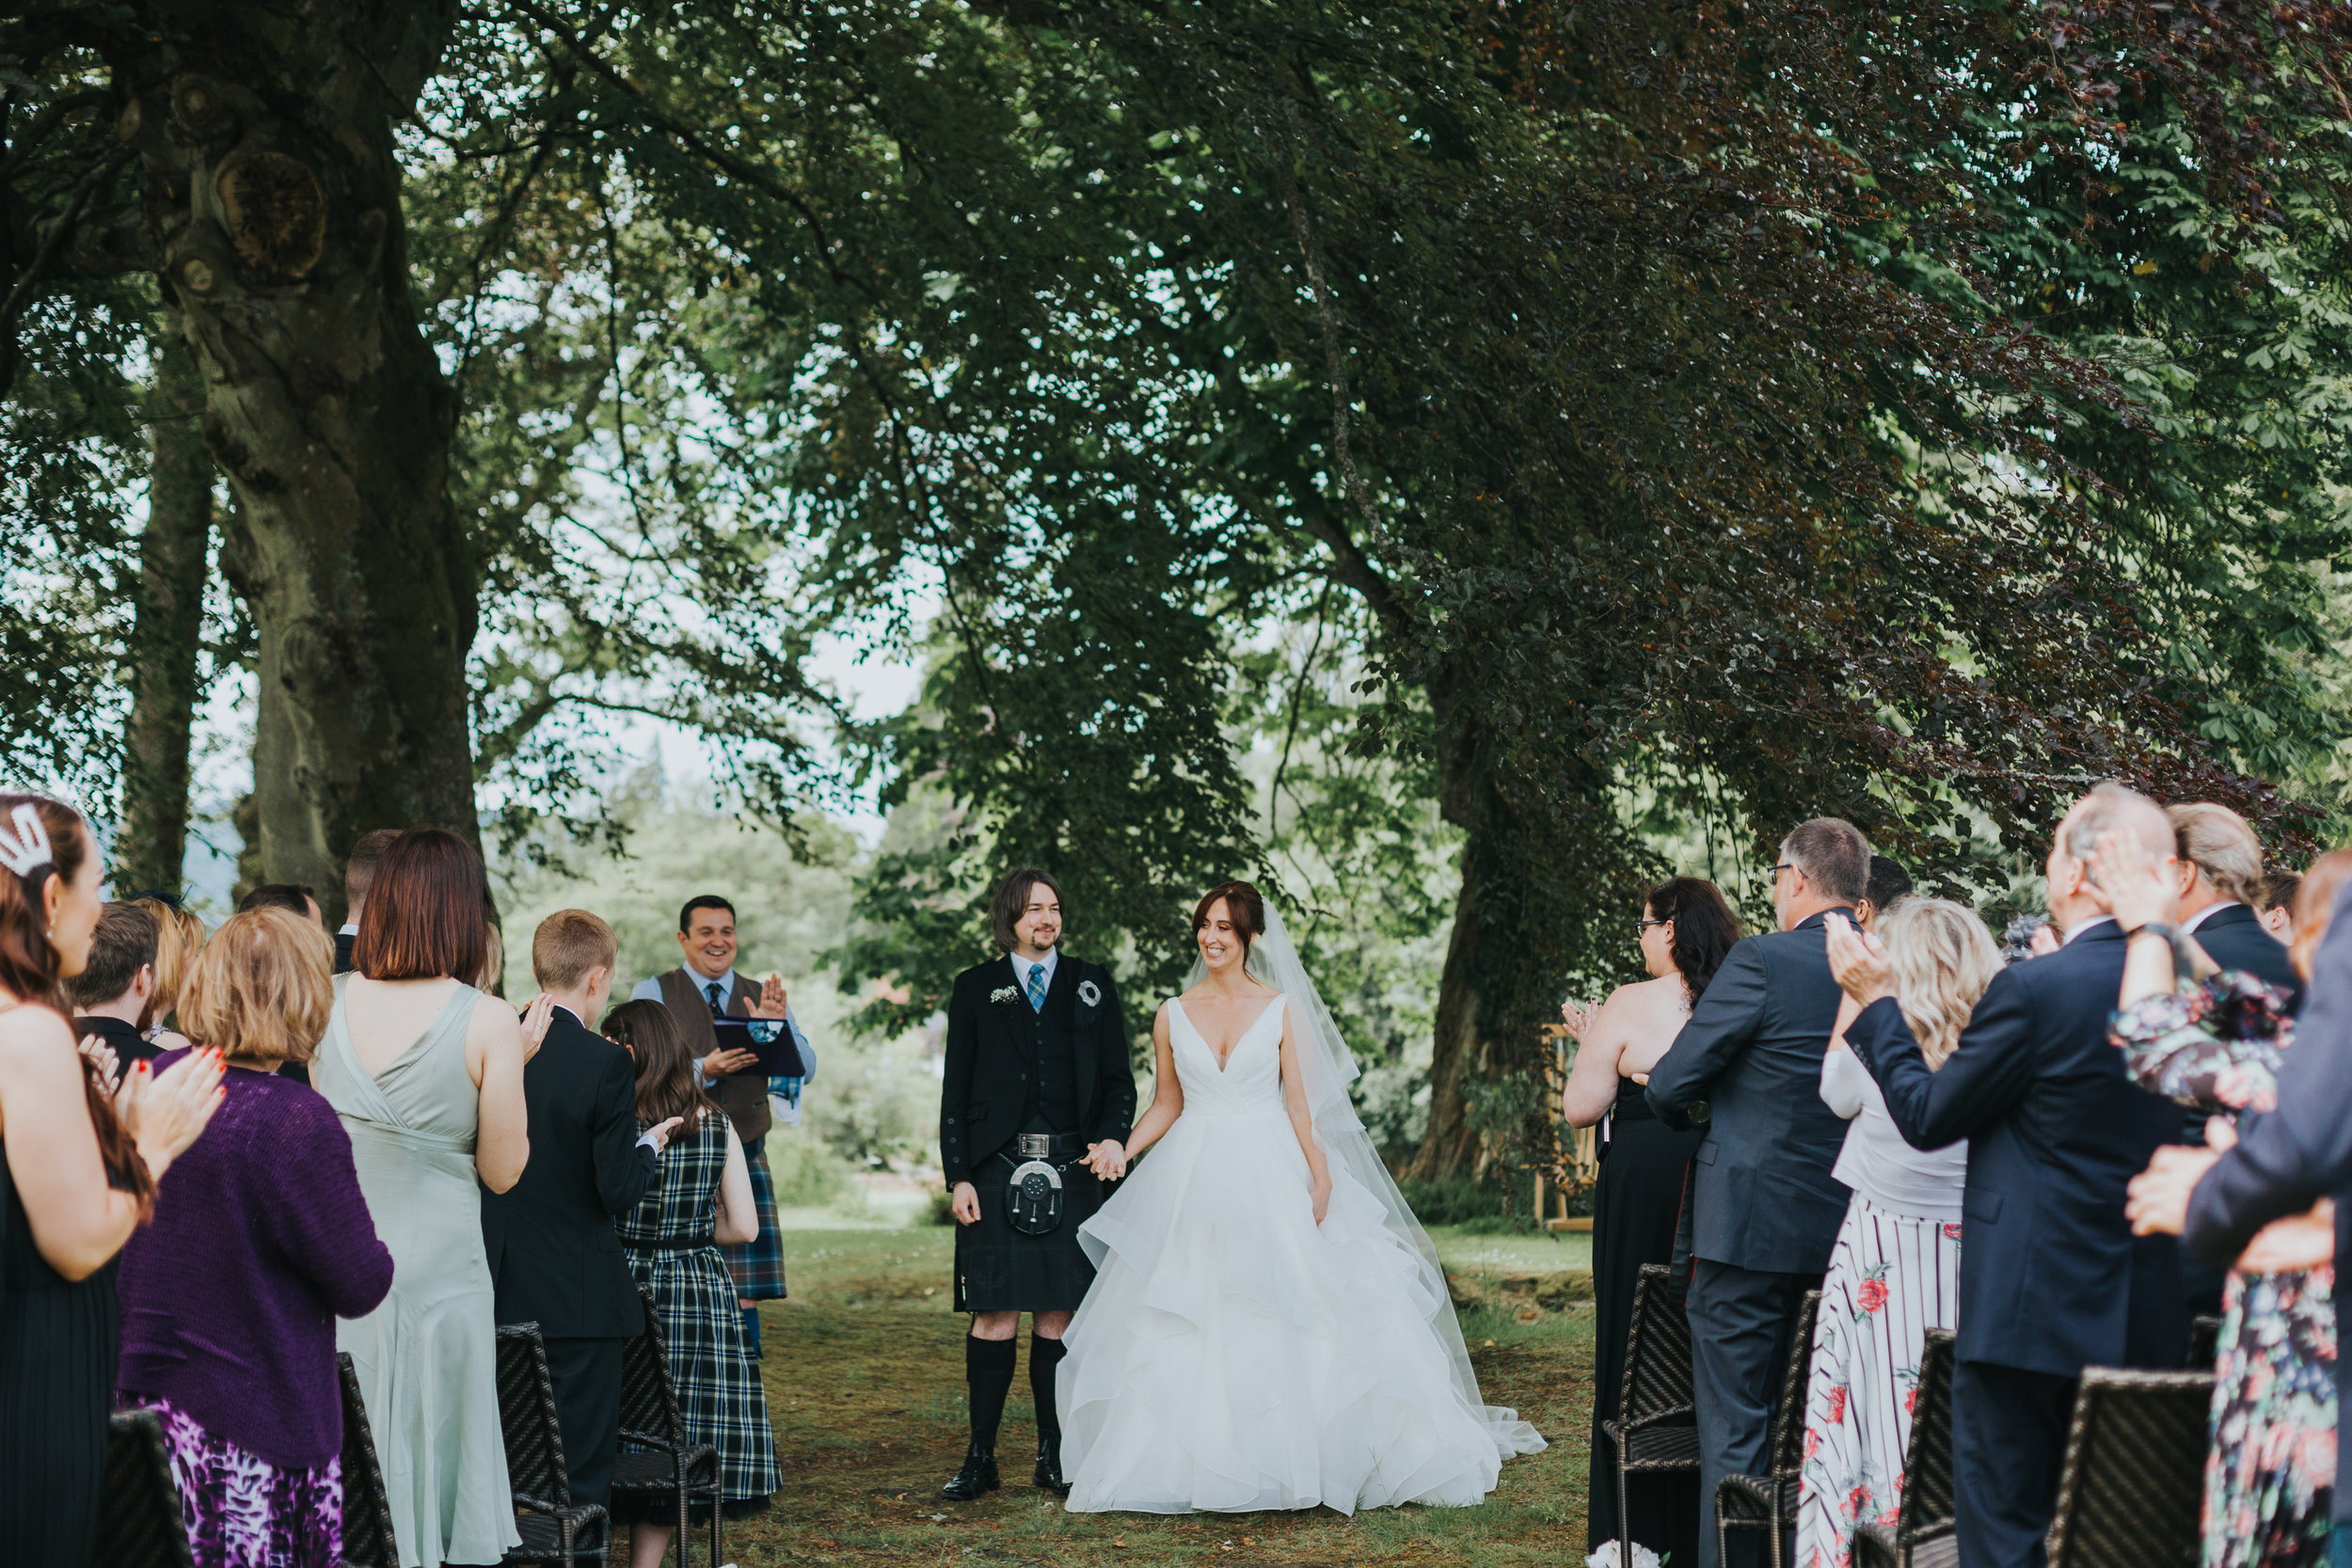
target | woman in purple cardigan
x=230, y=1297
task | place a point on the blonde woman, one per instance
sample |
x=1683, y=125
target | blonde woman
x=179, y=936
x=1895, y=1271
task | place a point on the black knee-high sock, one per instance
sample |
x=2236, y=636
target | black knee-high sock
x=1044, y=1355
x=987, y=1371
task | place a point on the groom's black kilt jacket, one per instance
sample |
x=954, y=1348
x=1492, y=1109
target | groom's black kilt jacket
x=1013, y=1069
x=995, y=1044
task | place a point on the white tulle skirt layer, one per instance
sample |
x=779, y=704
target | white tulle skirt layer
x=1232, y=1355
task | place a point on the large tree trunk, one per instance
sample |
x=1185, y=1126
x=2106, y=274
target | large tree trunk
x=168, y=632
x=274, y=196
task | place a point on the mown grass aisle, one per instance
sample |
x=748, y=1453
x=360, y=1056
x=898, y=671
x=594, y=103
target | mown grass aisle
x=865, y=1375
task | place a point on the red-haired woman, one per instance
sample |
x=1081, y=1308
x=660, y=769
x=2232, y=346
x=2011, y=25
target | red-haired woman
x=428, y=1075
x=79, y=1176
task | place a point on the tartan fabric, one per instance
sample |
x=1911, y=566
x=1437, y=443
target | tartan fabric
x=719, y=1395
x=757, y=1265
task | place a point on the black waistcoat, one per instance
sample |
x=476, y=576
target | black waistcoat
x=1051, y=1099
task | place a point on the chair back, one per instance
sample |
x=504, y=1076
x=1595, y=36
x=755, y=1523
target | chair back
x=1787, y=1449
x=534, y=1443
x=2133, y=1487
x=2205, y=1342
x=140, y=1523
x=648, y=1398
x=367, y=1507
x=1931, y=1498
x=1658, y=1351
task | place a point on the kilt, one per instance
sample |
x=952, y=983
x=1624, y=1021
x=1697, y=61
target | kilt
x=718, y=1394
x=999, y=1269
x=757, y=1265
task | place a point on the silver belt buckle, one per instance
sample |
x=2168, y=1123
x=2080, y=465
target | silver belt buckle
x=1034, y=1145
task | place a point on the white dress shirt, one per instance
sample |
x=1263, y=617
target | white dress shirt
x=1876, y=1161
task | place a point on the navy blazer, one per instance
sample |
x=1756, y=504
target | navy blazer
x=2233, y=937
x=2050, y=1277
x=1763, y=1197
x=2288, y=1159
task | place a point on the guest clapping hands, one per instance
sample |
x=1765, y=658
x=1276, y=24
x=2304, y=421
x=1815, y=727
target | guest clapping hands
x=229, y=1298
x=80, y=1175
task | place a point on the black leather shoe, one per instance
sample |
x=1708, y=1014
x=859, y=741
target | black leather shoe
x=979, y=1475
x=1049, y=1467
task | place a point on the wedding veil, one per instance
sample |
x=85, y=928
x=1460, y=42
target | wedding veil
x=1328, y=1066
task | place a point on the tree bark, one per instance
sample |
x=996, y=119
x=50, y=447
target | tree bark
x=274, y=194
x=167, y=629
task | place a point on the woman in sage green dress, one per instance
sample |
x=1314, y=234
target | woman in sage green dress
x=428, y=1075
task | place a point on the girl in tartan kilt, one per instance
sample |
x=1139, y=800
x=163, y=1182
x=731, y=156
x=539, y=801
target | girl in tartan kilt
x=701, y=1198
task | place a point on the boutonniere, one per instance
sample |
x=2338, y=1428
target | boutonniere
x=1089, y=993
x=1004, y=993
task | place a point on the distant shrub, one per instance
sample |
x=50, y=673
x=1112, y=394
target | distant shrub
x=806, y=1173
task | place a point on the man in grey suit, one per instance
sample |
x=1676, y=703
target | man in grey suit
x=1765, y=1209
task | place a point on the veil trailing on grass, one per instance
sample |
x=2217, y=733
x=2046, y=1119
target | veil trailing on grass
x=1327, y=1066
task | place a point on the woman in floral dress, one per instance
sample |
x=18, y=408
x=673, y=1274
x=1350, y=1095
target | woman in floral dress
x=2211, y=1040
x=1895, y=1271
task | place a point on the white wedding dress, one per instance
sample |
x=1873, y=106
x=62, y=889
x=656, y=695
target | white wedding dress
x=1234, y=1355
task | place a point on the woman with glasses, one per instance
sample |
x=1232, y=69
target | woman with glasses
x=1685, y=930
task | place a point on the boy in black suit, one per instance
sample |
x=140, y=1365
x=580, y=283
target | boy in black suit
x=110, y=995
x=1039, y=1086
x=554, y=1257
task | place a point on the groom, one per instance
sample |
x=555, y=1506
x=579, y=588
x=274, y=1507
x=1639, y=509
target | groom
x=1033, y=1117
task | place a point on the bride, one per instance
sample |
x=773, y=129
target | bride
x=1268, y=1326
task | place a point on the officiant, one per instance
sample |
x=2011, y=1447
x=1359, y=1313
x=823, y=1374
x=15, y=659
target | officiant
x=1033, y=1119
x=705, y=987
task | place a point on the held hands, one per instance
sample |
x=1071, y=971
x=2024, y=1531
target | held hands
x=165, y=1114
x=1108, y=1160
x=535, y=1020
x=966, y=1204
x=1858, y=959
x=772, y=1001
x=2298, y=1242
x=2138, y=891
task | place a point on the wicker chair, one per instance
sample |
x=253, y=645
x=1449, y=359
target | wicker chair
x=553, y=1528
x=1770, y=1501
x=140, y=1523
x=1924, y=1534
x=367, y=1508
x=2134, y=1484
x=1652, y=1433
x=672, y=1467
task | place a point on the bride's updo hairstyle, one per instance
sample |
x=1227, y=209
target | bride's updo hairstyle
x=1243, y=907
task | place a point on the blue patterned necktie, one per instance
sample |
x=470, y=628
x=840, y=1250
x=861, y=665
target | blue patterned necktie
x=1037, y=988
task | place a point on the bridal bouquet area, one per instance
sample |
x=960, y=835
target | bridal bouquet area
x=865, y=1387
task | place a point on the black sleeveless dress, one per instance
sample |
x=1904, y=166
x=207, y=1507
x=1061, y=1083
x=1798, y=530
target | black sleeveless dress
x=58, y=1341
x=1636, y=1204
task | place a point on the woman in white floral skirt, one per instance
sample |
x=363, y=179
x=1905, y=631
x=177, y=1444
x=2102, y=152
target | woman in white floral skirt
x=1895, y=1271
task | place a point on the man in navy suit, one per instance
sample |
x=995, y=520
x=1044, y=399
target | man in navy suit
x=2220, y=878
x=1765, y=1209
x=2051, y=1279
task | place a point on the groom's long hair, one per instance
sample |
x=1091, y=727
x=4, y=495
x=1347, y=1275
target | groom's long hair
x=1013, y=898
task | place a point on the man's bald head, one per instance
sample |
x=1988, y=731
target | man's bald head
x=2114, y=808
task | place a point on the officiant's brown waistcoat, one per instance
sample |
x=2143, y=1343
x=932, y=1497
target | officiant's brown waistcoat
x=743, y=1095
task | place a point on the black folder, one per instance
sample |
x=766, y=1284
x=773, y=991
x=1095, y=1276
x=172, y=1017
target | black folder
x=769, y=1038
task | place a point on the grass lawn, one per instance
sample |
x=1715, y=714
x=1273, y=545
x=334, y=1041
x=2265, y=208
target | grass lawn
x=865, y=1375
